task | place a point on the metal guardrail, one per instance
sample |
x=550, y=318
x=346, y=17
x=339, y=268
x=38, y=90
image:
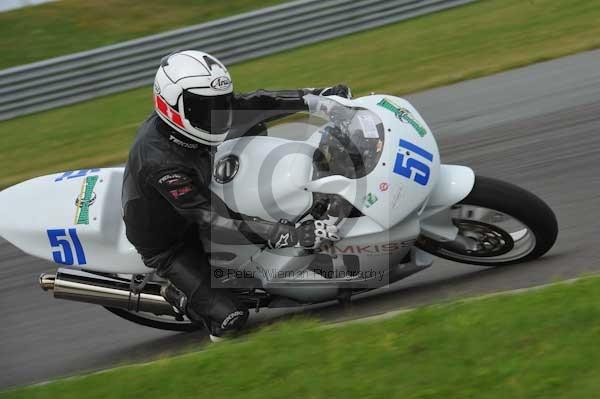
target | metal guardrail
x=72, y=78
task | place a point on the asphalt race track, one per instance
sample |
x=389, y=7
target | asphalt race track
x=538, y=127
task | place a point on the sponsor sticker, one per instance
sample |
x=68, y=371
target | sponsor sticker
x=370, y=249
x=370, y=199
x=182, y=143
x=384, y=186
x=171, y=179
x=221, y=83
x=403, y=115
x=283, y=241
x=181, y=191
x=368, y=126
x=86, y=198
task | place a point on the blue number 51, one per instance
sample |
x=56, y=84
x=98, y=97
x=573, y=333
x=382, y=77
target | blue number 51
x=411, y=165
x=64, y=253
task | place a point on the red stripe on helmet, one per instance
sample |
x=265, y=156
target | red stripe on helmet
x=168, y=111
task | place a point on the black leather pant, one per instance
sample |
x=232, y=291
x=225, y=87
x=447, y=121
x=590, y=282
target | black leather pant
x=186, y=266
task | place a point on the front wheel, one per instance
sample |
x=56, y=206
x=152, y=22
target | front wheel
x=498, y=224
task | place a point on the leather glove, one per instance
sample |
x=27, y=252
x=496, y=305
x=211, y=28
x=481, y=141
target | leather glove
x=312, y=233
x=337, y=90
x=326, y=107
x=282, y=235
x=309, y=234
x=330, y=110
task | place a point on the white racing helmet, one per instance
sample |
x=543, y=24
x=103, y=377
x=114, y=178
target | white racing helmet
x=193, y=94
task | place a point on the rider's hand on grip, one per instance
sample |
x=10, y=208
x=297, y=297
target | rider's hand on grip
x=327, y=108
x=312, y=233
x=282, y=235
x=338, y=90
x=309, y=234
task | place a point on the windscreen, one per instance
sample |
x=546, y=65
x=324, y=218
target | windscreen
x=351, y=142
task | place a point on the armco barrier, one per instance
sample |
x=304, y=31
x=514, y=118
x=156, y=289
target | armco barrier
x=68, y=79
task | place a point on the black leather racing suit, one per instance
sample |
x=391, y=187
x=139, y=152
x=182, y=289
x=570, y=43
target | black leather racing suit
x=167, y=205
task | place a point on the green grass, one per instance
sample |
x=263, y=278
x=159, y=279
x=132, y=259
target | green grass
x=540, y=344
x=466, y=42
x=66, y=26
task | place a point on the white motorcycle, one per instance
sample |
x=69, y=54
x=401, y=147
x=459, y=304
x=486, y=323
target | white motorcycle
x=370, y=164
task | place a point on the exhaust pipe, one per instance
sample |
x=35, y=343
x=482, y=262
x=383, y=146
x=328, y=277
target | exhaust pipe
x=80, y=286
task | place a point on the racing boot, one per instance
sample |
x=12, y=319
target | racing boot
x=190, y=292
x=220, y=327
x=232, y=323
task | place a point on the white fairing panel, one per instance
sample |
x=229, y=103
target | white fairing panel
x=407, y=171
x=72, y=218
x=270, y=178
x=455, y=184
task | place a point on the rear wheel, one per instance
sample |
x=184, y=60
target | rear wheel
x=498, y=224
x=161, y=322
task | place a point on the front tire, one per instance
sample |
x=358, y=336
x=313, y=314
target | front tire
x=499, y=224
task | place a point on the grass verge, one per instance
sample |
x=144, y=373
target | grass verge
x=466, y=42
x=69, y=26
x=538, y=344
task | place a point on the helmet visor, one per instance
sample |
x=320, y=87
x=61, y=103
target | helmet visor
x=209, y=113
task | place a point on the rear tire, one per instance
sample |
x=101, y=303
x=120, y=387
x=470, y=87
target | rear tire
x=489, y=243
x=154, y=321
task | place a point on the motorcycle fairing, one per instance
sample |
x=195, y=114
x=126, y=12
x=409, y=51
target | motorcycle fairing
x=455, y=183
x=270, y=179
x=407, y=170
x=73, y=219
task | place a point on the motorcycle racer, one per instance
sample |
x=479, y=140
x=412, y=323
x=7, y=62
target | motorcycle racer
x=167, y=205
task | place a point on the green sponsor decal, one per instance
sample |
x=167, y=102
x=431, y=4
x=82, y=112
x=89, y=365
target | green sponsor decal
x=403, y=114
x=370, y=199
x=86, y=198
